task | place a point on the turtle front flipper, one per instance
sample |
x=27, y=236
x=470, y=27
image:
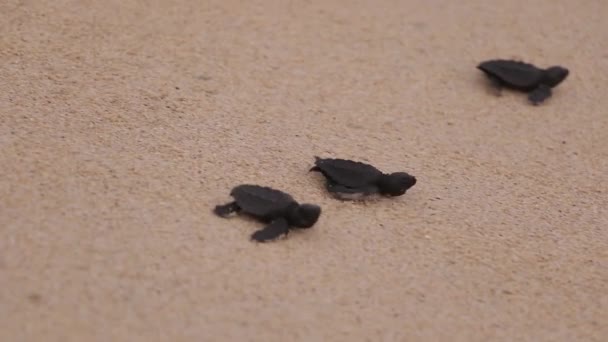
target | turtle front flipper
x=540, y=94
x=275, y=229
x=226, y=209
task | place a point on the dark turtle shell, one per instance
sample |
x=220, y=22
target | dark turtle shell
x=261, y=201
x=513, y=73
x=349, y=173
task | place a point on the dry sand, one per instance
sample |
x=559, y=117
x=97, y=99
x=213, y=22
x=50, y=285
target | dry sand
x=122, y=123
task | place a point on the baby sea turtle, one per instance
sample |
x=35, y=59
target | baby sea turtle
x=352, y=180
x=271, y=206
x=524, y=77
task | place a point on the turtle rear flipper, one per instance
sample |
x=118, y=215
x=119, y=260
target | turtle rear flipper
x=540, y=94
x=315, y=169
x=275, y=229
x=495, y=85
x=226, y=209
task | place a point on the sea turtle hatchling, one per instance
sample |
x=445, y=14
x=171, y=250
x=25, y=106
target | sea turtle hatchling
x=353, y=180
x=524, y=77
x=276, y=208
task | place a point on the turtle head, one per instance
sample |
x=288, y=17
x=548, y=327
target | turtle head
x=396, y=184
x=555, y=75
x=305, y=215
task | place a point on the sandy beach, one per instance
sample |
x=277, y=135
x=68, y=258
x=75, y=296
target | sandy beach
x=123, y=123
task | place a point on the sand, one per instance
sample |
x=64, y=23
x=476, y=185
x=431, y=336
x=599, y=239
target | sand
x=122, y=123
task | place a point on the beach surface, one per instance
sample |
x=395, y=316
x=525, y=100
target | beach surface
x=123, y=123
